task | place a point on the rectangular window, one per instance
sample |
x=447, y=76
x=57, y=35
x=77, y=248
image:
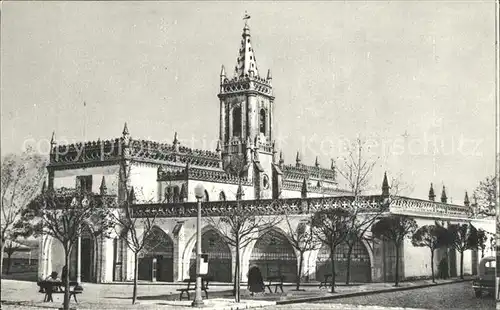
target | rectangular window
x=84, y=183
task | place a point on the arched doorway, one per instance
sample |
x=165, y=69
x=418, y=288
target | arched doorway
x=219, y=257
x=274, y=256
x=87, y=256
x=157, y=261
x=360, y=263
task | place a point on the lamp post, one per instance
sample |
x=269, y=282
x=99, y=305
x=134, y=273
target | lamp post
x=199, y=192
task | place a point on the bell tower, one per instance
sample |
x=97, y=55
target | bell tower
x=246, y=111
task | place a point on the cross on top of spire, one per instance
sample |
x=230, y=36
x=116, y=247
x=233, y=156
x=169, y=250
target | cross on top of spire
x=246, y=64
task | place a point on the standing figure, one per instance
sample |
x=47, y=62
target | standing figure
x=255, y=281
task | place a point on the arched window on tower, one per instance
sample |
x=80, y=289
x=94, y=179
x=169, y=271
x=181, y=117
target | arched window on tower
x=206, y=197
x=237, y=122
x=263, y=121
x=177, y=195
x=222, y=196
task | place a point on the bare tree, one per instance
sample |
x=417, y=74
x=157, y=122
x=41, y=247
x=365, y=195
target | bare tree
x=432, y=237
x=239, y=226
x=302, y=240
x=134, y=231
x=330, y=227
x=462, y=237
x=395, y=228
x=61, y=213
x=21, y=177
x=357, y=168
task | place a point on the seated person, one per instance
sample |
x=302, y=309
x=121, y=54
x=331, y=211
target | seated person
x=53, y=277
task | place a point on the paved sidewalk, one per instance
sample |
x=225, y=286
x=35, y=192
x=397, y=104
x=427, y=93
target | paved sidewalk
x=24, y=295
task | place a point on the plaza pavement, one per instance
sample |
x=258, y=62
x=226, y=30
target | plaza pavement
x=24, y=295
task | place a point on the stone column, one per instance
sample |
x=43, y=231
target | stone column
x=78, y=260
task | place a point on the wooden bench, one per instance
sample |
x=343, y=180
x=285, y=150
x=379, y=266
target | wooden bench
x=191, y=286
x=276, y=282
x=57, y=287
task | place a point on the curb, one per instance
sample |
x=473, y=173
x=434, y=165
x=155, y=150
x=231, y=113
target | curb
x=355, y=294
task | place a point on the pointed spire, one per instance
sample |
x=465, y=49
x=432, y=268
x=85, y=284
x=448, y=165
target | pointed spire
x=53, y=141
x=282, y=160
x=297, y=159
x=316, y=162
x=466, y=199
x=385, y=186
x=246, y=64
x=240, y=193
x=125, y=130
x=303, y=191
x=131, y=195
x=432, y=196
x=103, y=187
x=223, y=71
x=218, y=149
x=444, y=198
x=176, y=142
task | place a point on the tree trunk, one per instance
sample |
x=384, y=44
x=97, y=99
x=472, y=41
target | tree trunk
x=136, y=275
x=348, y=271
x=462, y=265
x=67, y=252
x=432, y=265
x=237, y=271
x=1, y=257
x=397, y=265
x=301, y=260
x=332, y=258
x=9, y=254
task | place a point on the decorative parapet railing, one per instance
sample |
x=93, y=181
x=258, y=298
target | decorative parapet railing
x=257, y=207
x=62, y=198
x=191, y=173
x=297, y=186
x=426, y=207
x=139, y=150
x=398, y=205
x=245, y=83
x=149, y=150
x=303, y=171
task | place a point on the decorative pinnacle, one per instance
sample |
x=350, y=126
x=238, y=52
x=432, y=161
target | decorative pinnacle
x=316, y=162
x=125, y=130
x=466, y=199
x=103, y=187
x=444, y=198
x=223, y=71
x=218, y=149
x=53, y=139
x=282, y=160
x=332, y=165
x=385, y=186
x=44, y=186
x=175, y=138
x=303, y=191
x=269, y=76
x=297, y=158
x=432, y=196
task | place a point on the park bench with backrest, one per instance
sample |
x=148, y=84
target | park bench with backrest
x=276, y=282
x=191, y=286
x=57, y=287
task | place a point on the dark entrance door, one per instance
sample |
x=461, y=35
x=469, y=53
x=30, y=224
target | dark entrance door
x=453, y=263
x=86, y=259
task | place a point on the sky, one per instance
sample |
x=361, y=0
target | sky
x=414, y=80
